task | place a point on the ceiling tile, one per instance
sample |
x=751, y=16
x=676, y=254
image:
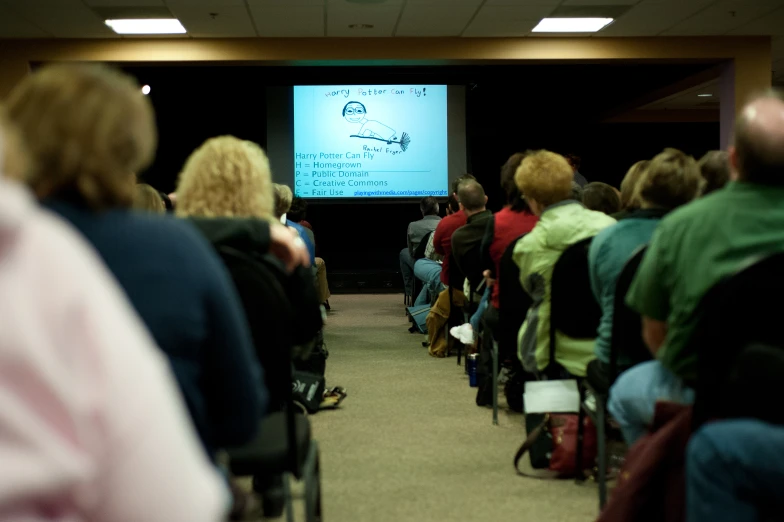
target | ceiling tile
x=293, y=21
x=498, y=21
x=203, y=3
x=382, y=17
x=13, y=26
x=67, y=19
x=769, y=24
x=649, y=19
x=723, y=16
x=229, y=21
x=442, y=18
x=522, y=3
x=124, y=3
x=600, y=2
x=283, y=3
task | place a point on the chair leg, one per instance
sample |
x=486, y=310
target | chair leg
x=312, y=478
x=578, y=464
x=495, y=382
x=601, y=441
x=287, y=497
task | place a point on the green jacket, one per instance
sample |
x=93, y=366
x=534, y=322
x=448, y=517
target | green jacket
x=559, y=226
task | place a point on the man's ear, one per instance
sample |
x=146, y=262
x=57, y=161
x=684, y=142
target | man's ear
x=733, y=159
x=485, y=200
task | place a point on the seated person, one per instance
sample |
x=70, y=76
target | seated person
x=91, y=411
x=416, y=231
x=509, y=223
x=671, y=180
x=692, y=249
x=296, y=214
x=282, y=202
x=601, y=197
x=175, y=281
x=428, y=267
x=466, y=240
x=629, y=200
x=546, y=180
x=442, y=244
x=236, y=211
x=715, y=170
x=442, y=237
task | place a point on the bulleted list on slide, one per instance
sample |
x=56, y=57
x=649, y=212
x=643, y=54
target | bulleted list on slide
x=370, y=141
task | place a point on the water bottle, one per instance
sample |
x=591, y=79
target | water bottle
x=471, y=361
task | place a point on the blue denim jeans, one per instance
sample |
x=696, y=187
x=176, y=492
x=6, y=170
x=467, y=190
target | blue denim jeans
x=480, y=310
x=735, y=472
x=429, y=272
x=407, y=270
x=633, y=397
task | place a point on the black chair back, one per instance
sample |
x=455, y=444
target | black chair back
x=573, y=309
x=514, y=303
x=271, y=319
x=627, y=324
x=740, y=344
x=419, y=251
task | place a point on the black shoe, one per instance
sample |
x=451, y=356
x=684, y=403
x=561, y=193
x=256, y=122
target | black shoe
x=326, y=305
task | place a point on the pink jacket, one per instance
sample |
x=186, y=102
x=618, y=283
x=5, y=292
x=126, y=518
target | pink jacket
x=92, y=427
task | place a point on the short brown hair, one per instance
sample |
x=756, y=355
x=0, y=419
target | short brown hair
x=715, y=170
x=545, y=177
x=601, y=197
x=672, y=179
x=147, y=198
x=471, y=195
x=629, y=192
x=88, y=129
x=514, y=198
x=283, y=198
x=456, y=183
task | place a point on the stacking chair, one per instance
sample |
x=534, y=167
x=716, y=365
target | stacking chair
x=626, y=339
x=456, y=314
x=574, y=311
x=514, y=303
x=740, y=345
x=284, y=446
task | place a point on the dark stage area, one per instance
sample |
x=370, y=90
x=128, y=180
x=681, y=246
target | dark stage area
x=509, y=108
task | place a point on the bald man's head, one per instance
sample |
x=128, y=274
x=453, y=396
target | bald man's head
x=471, y=196
x=757, y=153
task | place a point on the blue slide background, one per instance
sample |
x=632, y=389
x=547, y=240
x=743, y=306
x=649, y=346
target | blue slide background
x=328, y=163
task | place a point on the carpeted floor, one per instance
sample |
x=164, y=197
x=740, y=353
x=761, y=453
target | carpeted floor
x=409, y=444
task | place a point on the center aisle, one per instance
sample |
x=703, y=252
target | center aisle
x=409, y=444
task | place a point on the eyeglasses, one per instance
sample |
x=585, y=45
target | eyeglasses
x=355, y=110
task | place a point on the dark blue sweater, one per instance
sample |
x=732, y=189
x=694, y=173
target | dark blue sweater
x=183, y=293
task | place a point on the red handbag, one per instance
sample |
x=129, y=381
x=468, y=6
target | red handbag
x=554, y=441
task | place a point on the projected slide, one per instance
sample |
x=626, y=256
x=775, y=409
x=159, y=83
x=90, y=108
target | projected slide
x=378, y=141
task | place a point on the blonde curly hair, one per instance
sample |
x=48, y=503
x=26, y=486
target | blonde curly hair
x=545, y=177
x=226, y=177
x=88, y=129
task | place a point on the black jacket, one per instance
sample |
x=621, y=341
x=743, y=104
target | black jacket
x=282, y=310
x=466, y=243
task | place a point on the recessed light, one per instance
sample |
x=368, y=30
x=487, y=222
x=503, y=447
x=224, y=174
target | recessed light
x=146, y=26
x=361, y=26
x=571, y=25
x=146, y=89
x=704, y=95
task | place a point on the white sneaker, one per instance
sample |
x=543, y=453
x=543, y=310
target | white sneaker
x=463, y=333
